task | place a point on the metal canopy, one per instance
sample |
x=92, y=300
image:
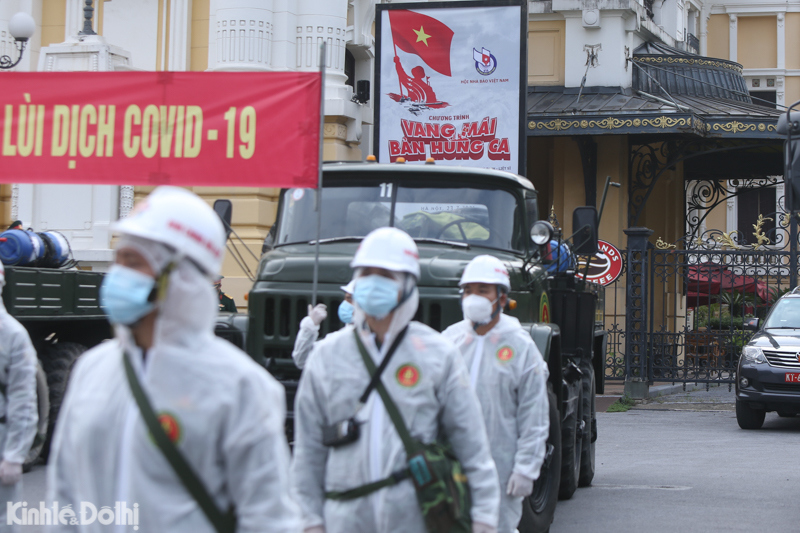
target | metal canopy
x=672, y=92
x=617, y=111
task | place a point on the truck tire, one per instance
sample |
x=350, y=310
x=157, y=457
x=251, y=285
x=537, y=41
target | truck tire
x=57, y=362
x=749, y=418
x=43, y=410
x=539, y=508
x=571, y=447
x=590, y=430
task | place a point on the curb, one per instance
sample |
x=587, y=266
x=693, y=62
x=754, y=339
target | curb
x=674, y=388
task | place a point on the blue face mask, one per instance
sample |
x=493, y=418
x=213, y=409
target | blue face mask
x=346, y=312
x=376, y=295
x=124, y=295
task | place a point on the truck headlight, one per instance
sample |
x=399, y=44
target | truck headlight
x=753, y=354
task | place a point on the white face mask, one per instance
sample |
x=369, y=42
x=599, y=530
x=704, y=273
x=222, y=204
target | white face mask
x=477, y=309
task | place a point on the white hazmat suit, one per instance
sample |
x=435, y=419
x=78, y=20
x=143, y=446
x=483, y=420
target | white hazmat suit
x=428, y=381
x=510, y=377
x=17, y=403
x=224, y=411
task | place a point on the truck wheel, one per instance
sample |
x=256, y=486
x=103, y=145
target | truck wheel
x=590, y=430
x=539, y=508
x=43, y=410
x=571, y=447
x=749, y=418
x=57, y=362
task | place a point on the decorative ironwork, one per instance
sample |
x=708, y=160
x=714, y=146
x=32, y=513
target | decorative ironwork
x=698, y=300
x=649, y=161
x=702, y=196
x=88, y=14
x=636, y=303
x=699, y=62
x=761, y=238
x=612, y=123
x=553, y=219
x=661, y=245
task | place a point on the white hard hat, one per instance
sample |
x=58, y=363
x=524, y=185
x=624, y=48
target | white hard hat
x=350, y=287
x=486, y=269
x=388, y=248
x=181, y=220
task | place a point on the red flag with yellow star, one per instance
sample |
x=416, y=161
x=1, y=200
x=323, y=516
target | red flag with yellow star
x=424, y=36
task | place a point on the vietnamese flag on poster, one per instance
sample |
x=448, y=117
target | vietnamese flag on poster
x=424, y=36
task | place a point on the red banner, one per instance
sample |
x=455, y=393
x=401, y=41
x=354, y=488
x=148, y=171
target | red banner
x=242, y=129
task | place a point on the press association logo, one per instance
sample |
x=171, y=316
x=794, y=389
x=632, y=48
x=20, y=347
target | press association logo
x=485, y=62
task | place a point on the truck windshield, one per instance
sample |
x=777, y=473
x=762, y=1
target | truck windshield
x=480, y=217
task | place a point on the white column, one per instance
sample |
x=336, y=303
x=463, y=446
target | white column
x=781, y=40
x=324, y=21
x=704, y=16
x=284, y=46
x=74, y=19
x=734, y=38
x=780, y=93
x=240, y=35
x=180, y=34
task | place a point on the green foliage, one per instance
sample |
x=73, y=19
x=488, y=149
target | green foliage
x=776, y=292
x=736, y=300
x=705, y=313
x=621, y=405
x=725, y=322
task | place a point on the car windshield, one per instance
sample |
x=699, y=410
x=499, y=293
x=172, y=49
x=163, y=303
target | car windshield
x=785, y=314
x=479, y=217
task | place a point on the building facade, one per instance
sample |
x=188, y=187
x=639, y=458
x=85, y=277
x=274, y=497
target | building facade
x=590, y=51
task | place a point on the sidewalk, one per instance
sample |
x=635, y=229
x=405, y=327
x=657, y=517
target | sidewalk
x=615, y=389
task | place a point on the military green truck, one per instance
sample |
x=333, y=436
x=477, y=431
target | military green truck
x=61, y=311
x=453, y=214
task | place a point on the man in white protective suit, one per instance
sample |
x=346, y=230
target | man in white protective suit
x=220, y=410
x=425, y=377
x=18, y=414
x=309, y=326
x=509, y=375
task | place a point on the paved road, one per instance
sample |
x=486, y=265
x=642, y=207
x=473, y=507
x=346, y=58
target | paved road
x=678, y=463
x=681, y=463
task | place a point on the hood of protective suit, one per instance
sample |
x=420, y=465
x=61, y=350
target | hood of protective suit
x=186, y=316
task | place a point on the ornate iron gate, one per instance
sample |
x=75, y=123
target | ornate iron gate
x=685, y=305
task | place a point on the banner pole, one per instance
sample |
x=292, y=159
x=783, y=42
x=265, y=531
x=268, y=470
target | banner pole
x=319, y=171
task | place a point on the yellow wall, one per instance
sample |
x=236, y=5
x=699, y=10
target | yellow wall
x=53, y=20
x=546, y=52
x=718, y=218
x=719, y=36
x=792, y=42
x=199, y=52
x=757, y=41
x=334, y=146
x=5, y=205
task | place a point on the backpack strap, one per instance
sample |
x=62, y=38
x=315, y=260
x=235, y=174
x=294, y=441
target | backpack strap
x=223, y=523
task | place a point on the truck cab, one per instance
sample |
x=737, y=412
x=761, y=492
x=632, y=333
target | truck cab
x=453, y=214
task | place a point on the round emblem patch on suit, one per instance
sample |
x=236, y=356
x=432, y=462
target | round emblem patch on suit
x=171, y=426
x=408, y=375
x=506, y=353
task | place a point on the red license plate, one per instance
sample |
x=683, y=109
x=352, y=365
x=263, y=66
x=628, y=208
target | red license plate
x=792, y=377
